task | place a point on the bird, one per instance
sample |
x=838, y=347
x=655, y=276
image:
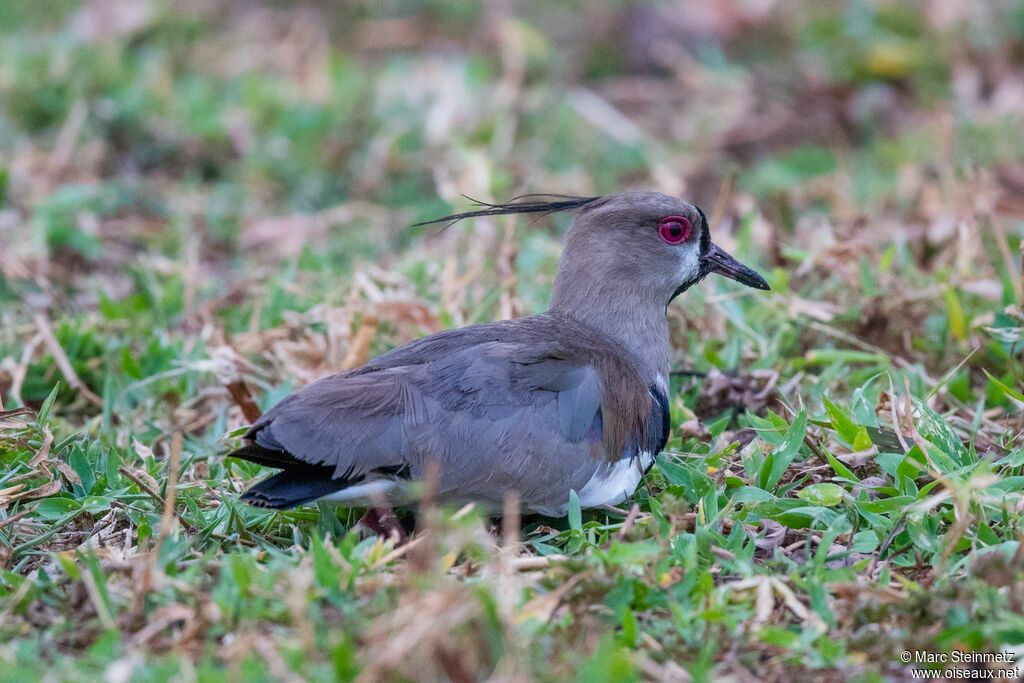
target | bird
x=574, y=399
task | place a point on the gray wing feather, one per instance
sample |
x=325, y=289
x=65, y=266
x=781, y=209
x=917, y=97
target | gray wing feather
x=578, y=405
x=486, y=411
x=352, y=423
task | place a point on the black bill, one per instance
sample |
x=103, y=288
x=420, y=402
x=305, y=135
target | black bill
x=717, y=260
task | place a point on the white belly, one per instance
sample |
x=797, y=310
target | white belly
x=613, y=485
x=609, y=486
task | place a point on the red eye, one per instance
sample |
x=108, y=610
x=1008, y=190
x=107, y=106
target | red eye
x=674, y=229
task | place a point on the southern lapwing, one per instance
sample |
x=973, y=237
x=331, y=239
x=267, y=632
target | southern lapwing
x=572, y=399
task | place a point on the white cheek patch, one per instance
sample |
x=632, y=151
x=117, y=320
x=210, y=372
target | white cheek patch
x=689, y=263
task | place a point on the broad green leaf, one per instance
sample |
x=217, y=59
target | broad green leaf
x=673, y=472
x=630, y=553
x=987, y=535
x=1009, y=484
x=68, y=564
x=846, y=427
x=863, y=403
x=942, y=435
x=785, y=453
x=323, y=569
x=804, y=516
x=824, y=494
x=778, y=636
x=865, y=542
x=861, y=441
x=750, y=494
x=545, y=548
x=923, y=538
x=240, y=573
x=839, y=468
x=96, y=506
x=80, y=463
x=887, y=504
x=56, y=507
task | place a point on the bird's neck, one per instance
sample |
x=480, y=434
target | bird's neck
x=630, y=318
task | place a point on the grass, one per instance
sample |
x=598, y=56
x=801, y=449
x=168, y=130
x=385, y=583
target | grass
x=219, y=196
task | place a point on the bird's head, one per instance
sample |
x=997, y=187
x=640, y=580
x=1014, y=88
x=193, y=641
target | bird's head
x=645, y=246
x=650, y=240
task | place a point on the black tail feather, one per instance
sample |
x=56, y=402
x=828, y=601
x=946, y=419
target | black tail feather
x=267, y=456
x=295, y=484
x=293, y=487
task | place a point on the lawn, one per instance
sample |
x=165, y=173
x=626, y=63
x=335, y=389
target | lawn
x=205, y=205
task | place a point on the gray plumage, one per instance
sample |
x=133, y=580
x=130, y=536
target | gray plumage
x=572, y=399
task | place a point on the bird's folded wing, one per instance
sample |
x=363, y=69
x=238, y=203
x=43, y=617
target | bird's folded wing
x=474, y=398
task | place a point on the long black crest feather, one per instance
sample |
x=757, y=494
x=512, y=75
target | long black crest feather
x=551, y=203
